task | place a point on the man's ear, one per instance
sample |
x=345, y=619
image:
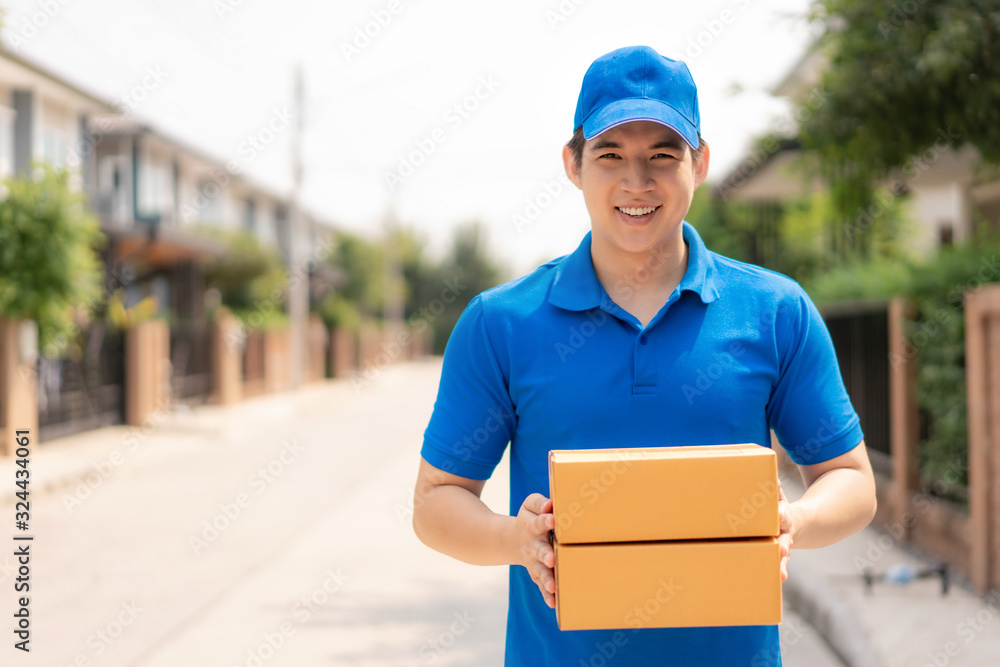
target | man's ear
x=572, y=169
x=701, y=165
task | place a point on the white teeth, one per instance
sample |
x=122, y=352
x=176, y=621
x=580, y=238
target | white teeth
x=636, y=212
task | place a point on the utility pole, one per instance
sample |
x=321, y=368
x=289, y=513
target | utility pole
x=298, y=290
x=392, y=303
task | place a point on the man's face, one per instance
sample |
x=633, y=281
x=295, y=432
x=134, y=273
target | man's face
x=638, y=180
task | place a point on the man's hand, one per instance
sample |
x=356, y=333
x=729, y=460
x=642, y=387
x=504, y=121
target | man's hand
x=787, y=527
x=534, y=521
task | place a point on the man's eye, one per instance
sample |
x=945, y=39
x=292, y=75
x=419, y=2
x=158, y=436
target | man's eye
x=666, y=155
x=608, y=155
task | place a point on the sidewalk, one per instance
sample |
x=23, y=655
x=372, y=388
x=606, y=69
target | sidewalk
x=272, y=533
x=83, y=461
x=905, y=626
x=909, y=625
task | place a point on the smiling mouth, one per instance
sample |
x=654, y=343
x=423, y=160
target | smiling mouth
x=637, y=212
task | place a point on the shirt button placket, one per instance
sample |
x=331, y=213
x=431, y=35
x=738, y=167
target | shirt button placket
x=644, y=370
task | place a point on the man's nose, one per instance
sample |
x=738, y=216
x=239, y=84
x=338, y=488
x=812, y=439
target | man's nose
x=637, y=177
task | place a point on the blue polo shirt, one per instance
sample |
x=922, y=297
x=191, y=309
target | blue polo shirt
x=549, y=361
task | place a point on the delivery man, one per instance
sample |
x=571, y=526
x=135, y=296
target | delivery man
x=640, y=337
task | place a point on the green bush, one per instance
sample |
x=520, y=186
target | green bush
x=48, y=263
x=261, y=319
x=860, y=281
x=338, y=312
x=802, y=237
x=248, y=275
x=936, y=334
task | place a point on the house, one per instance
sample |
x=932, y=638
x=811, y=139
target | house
x=949, y=191
x=155, y=197
x=950, y=194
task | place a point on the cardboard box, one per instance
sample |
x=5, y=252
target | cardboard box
x=664, y=493
x=668, y=584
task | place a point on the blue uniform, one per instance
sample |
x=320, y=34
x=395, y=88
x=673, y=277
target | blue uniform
x=549, y=361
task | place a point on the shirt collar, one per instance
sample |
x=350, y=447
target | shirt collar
x=576, y=287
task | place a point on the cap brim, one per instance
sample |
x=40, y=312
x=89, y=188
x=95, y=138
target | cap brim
x=620, y=112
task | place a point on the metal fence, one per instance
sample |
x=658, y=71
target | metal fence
x=860, y=333
x=191, y=361
x=85, y=389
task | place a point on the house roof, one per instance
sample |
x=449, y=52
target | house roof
x=106, y=117
x=37, y=70
x=804, y=74
x=765, y=174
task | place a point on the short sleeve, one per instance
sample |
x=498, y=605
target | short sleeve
x=809, y=409
x=473, y=418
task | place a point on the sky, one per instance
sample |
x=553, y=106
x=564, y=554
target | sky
x=438, y=111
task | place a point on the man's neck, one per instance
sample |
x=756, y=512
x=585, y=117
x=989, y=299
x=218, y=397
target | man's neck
x=641, y=282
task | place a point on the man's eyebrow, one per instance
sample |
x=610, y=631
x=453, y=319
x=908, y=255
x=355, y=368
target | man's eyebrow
x=668, y=143
x=665, y=143
x=605, y=143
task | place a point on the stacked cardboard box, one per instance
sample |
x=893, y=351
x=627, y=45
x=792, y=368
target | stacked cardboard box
x=666, y=537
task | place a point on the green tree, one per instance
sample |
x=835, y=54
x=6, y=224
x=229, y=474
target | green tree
x=466, y=270
x=361, y=264
x=468, y=267
x=789, y=237
x=48, y=263
x=249, y=276
x=903, y=80
x=419, y=273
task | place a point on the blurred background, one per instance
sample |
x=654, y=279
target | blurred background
x=229, y=226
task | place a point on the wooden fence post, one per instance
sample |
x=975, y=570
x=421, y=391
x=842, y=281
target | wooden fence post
x=227, y=360
x=318, y=342
x=982, y=373
x=18, y=382
x=904, y=416
x=147, y=370
x=277, y=360
x=343, y=351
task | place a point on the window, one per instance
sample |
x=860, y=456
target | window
x=946, y=234
x=250, y=216
x=6, y=141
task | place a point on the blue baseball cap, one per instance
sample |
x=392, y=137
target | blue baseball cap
x=637, y=83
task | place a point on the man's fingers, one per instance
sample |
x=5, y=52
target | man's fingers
x=550, y=599
x=537, y=503
x=544, y=578
x=547, y=581
x=543, y=523
x=785, y=551
x=545, y=555
x=784, y=517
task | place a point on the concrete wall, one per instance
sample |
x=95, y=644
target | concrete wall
x=227, y=358
x=319, y=338
x=18, y=382
x=343, y=352
x=147, y=371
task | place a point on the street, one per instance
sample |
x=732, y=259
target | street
x=274, y=532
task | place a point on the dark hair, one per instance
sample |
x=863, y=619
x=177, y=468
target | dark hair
x=577, y=141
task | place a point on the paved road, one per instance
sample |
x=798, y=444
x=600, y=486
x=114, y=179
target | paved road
x=273, y=533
